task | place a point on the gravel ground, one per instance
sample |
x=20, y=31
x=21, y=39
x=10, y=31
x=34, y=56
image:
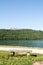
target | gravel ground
x=38, y=63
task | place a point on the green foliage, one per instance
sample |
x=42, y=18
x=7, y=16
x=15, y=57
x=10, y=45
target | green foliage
x=25, y=34
x=7, y=59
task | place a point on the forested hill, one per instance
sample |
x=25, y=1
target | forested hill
x=24, y=34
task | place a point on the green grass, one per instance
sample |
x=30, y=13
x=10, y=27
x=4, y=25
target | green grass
x=7, y=59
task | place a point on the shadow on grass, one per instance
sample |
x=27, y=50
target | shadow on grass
x=34, y=55
x=17, y=55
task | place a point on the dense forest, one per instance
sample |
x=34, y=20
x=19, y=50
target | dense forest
x=23, y=34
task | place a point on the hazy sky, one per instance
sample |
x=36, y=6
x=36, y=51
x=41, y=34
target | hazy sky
x=26, y=14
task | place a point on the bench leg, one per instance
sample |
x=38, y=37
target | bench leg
x=13, y=53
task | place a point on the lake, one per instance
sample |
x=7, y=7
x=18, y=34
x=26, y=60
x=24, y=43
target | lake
x=26, y=43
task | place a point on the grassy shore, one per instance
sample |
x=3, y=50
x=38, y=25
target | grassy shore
x=7, y=59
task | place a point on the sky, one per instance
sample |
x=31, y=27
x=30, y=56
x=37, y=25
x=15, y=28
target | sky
x=21, y=14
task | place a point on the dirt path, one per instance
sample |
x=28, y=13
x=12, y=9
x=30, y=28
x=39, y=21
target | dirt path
x=38, y=63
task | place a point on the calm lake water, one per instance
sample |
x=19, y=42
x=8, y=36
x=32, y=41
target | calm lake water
x=26, y=43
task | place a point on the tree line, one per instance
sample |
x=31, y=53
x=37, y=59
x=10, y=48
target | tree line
x=23, y=34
